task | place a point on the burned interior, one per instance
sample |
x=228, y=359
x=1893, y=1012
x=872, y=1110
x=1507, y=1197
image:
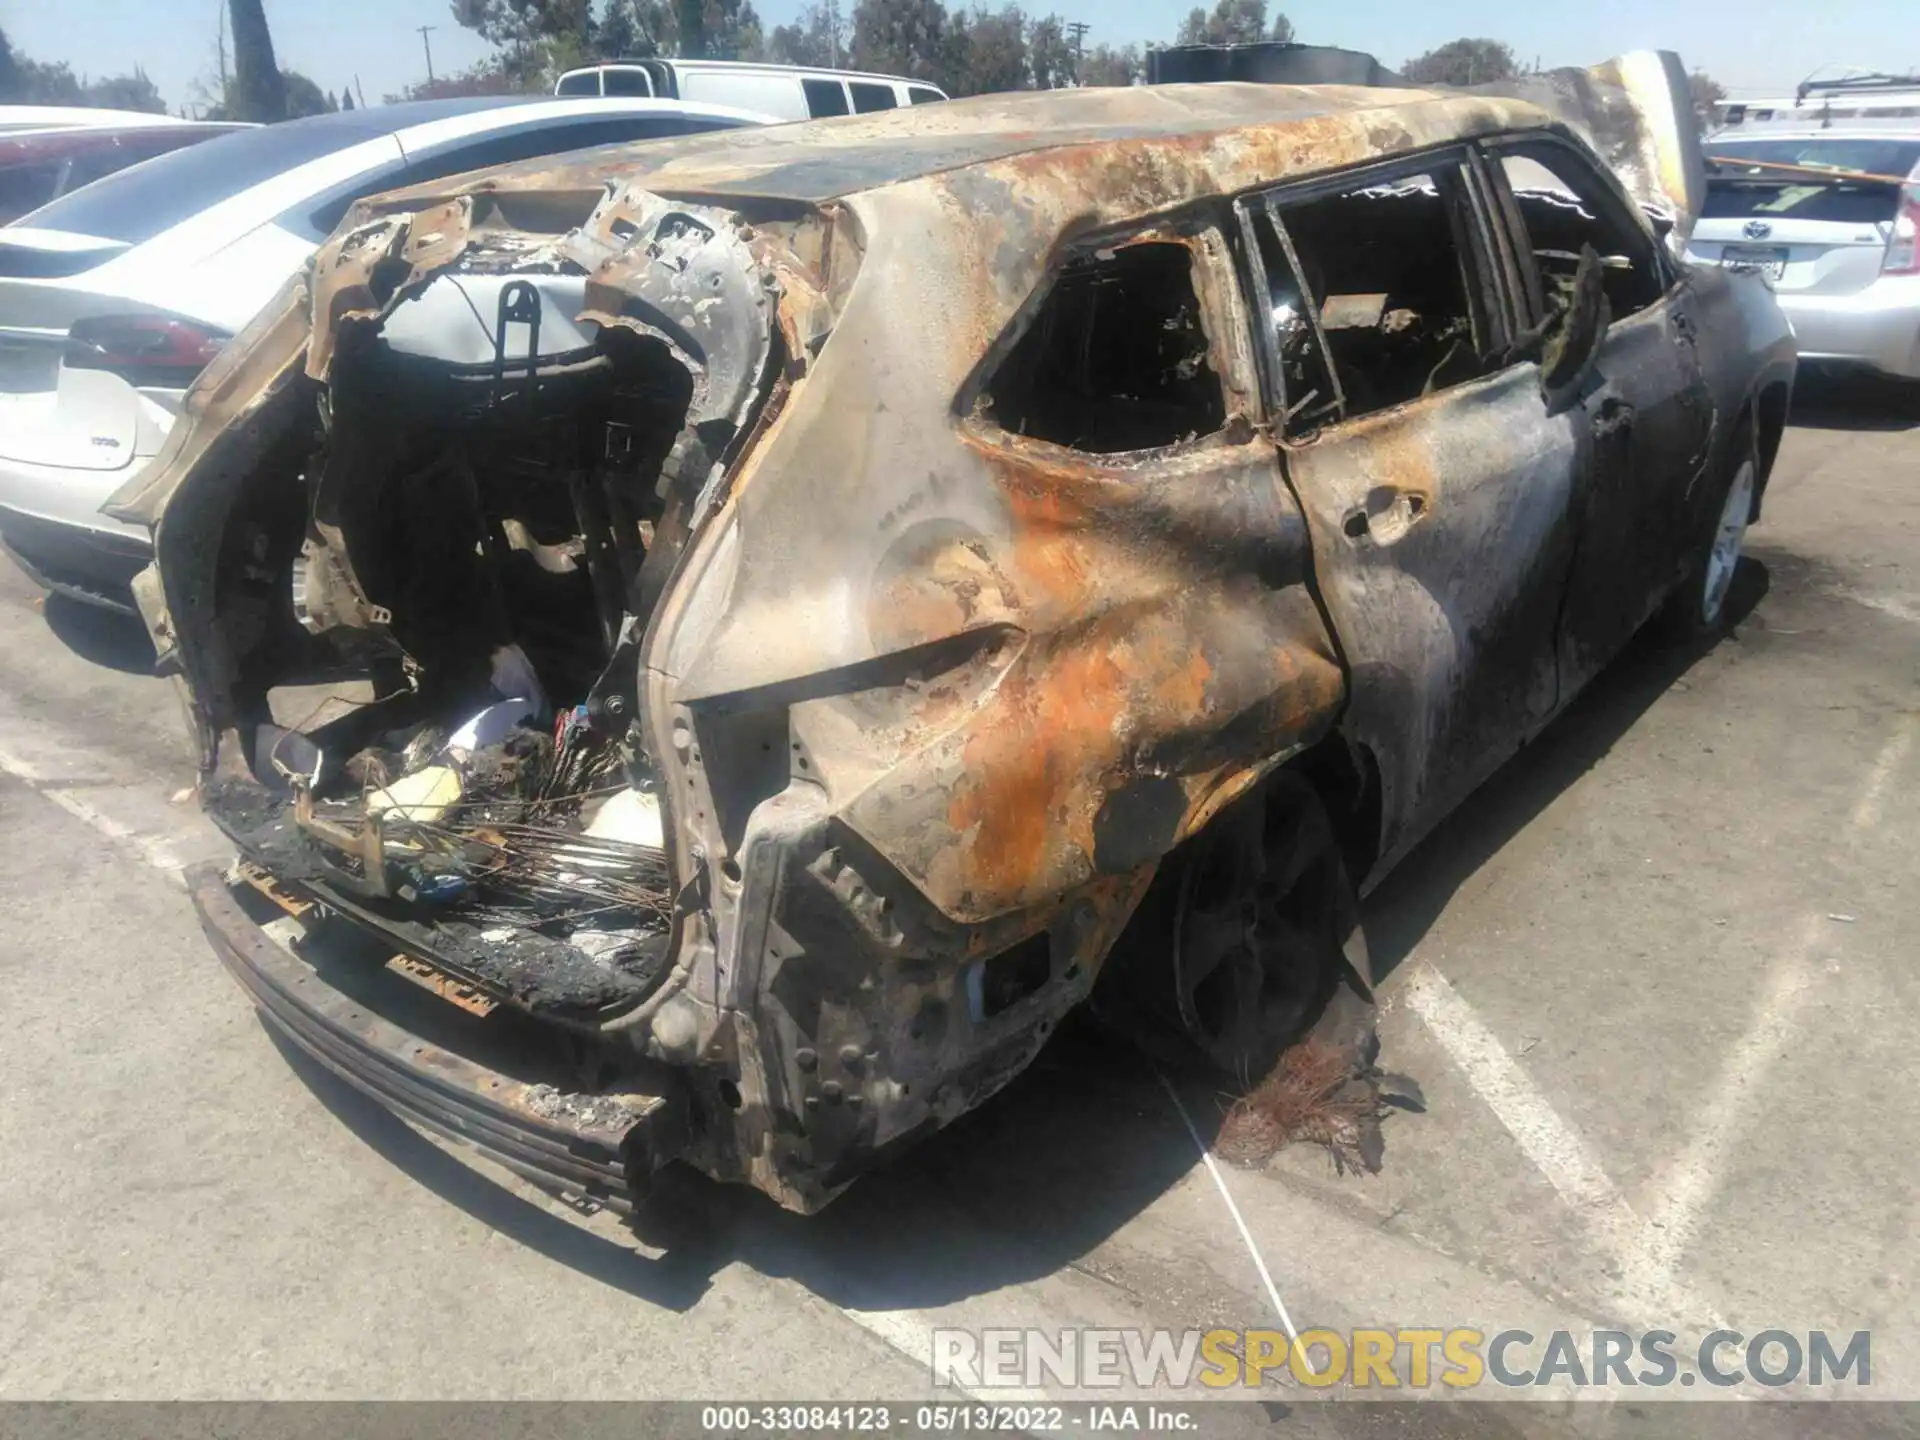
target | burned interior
x=1115, y=358
x=1385, y=285
x=472, y=522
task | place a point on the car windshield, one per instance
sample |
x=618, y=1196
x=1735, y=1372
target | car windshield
x=140, y=202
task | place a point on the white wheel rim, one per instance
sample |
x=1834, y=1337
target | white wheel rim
x=1728, y=538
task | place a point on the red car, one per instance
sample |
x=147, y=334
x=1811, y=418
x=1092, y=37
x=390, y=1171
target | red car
x=43, y=165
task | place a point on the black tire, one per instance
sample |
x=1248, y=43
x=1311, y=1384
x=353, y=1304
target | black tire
x=1241, y=941
x=1697, y=611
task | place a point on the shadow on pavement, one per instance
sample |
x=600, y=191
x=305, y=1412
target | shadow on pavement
x=1829, y=399
x=1060, y=1160
x=100, y=636
x=674, y=1281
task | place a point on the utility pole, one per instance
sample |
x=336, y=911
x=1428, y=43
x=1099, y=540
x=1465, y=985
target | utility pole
x=427, y=45
x=1076, y=35
x=222, y=43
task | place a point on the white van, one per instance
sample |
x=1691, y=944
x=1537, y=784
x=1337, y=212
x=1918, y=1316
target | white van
x=791, y=92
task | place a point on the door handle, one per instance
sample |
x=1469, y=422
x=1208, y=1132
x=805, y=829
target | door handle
x=1385, y=516
x=1614, y=416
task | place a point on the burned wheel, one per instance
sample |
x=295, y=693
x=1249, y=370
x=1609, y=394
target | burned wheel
x=1242, y=939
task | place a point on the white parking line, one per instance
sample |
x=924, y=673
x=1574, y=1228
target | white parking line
x=1648, y=1254
x=133, y=814
x=154, y=850
x=1693, y=1177
x=1866, y=811
x=1555, y=1148
x=1892, y=605
x=1239, y=1221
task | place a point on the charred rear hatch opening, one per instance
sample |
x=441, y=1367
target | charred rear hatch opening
x=464, y=511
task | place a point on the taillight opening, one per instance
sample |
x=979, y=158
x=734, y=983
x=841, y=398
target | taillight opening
x=157, y=350
x=1903, y=246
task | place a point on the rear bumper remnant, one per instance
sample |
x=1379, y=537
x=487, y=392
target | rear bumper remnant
x=599, y=1148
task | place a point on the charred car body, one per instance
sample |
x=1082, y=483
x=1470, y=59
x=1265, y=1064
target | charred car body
x=812, y=580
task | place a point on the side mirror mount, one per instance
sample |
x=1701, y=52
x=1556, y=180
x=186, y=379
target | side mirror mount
x=1571, y=343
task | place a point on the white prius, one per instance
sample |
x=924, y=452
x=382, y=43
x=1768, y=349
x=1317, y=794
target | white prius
x=114, y=297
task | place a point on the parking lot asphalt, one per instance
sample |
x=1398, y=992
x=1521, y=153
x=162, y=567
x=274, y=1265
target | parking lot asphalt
x=1656, y=981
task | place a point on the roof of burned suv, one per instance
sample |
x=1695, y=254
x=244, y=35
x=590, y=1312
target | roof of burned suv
x=1253, y=132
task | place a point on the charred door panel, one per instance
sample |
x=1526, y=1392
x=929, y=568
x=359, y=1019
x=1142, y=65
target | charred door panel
x=1442, y=533
x=1650, y=418
x=1647, y=406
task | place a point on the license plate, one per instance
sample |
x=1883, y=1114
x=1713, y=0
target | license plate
x=1768, y=261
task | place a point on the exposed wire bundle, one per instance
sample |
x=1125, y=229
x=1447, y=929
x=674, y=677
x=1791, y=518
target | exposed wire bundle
x=553, y=869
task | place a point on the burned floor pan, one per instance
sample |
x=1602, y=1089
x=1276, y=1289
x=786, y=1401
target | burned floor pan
x=542, y=975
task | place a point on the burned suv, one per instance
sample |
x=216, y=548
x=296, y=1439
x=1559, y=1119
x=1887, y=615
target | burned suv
x=802, y=603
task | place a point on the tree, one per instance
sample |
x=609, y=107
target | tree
x=986, y=51
x=633, y=29
x=303, y=96
x=1707, y=93
x=538, y=39
x=1051, y=63
x=717, y=29
x=258, y=91
x=1233, y=22
x=902, y=37
x=32, y=82
x=25, y=81
x=493, y=76
x=818, y=37
x=125, y=92
x=1105, y=65
x=1463, y=62
x=346, y=97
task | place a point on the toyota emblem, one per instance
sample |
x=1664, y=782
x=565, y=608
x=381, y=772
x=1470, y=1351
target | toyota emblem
x=1756, y=230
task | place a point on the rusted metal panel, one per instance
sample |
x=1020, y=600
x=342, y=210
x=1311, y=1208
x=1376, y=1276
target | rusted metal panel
x=1637, y=112
x=594, y=1146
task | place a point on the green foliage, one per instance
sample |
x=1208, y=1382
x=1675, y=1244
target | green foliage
x=907, y=37
x=25, y=81
x=820, y=36
x=1233, y=22
x=1463, y=62
x=490, y=77
x=303, y=97
x=1107, y=65
x=1706, y=92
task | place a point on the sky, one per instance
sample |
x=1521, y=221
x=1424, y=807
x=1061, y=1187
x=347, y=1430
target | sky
x=1753, y=47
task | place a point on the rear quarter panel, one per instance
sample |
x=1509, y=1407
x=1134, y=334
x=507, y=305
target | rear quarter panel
x=1746, y=351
